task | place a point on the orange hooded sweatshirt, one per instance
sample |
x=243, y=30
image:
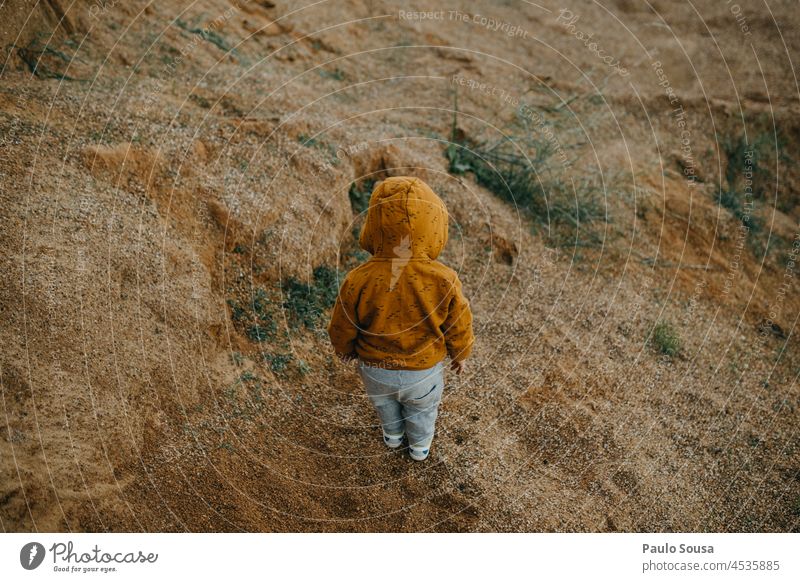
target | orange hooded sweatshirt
x=402, y=309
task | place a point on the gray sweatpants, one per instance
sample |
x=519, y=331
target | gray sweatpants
x=407, y=401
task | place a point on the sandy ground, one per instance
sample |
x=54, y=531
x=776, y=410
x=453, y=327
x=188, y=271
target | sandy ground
x=174, y=172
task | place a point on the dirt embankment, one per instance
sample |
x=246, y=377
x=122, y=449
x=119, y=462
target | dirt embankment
x=181, y=187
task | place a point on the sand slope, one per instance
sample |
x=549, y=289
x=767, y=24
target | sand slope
x=173, y=174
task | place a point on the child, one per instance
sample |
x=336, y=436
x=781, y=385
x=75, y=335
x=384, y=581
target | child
x=402, y=311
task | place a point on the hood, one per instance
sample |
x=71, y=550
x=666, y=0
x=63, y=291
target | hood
x=405, y=219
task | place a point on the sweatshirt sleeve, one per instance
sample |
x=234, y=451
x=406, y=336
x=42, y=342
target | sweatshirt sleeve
x=342, y=328
x=457, y=327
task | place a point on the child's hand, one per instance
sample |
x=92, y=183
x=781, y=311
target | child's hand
x=457, y=367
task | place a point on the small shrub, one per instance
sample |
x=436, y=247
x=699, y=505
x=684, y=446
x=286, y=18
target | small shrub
x=354, y=255
x=743, y=156
x=259, y=333
x=248, y=376
x=359, y=198
x=303, y=367
x=326, y=281
x=237, y=313
x=666, y=339
x=520, y=168
x=512, y=177
x=728, y=199
x=260, y=303
x=737, y=151
x=278, y=363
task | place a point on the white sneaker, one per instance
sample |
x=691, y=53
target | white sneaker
x=392, y=440
x=418, y=454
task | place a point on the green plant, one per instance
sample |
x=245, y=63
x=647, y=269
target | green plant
x=207, y=35
x=307, y=301
x=748, y=177
x=326, y=280
x=237, y=313
x=743, y=156
x=728, y=199
x=248, y=376
x=230, y=392
x=259, y=303
x=359, y=197
x=304, y=303
x=259, y=333
x=336, y=74
x=260, y=324
x=355, y=255
x=519, y=168
x=666, y=339
x=200, y=100
x=278, y=363
x=33, y=56
x=747, y=168
x=312, y=142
